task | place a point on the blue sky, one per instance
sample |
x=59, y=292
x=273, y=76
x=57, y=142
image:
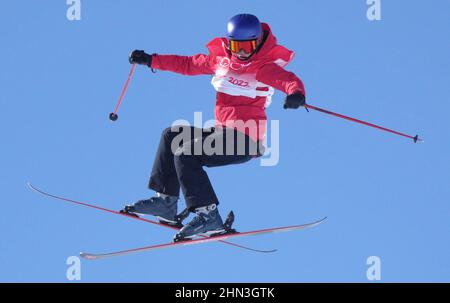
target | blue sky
x=384, y=196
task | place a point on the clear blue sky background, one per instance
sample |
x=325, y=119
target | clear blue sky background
x=384, y=196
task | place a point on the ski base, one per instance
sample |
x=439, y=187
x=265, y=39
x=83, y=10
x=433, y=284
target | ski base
x=180, y=217
x=91, y=256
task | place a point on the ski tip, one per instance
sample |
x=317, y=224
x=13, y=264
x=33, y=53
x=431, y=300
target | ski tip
x=87, y=256
x=31, y=186
x=319, y=221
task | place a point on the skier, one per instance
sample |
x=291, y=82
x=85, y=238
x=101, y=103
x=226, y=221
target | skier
x=246, y=67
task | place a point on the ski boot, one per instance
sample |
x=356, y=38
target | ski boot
x=164, y=209
x=207, y=222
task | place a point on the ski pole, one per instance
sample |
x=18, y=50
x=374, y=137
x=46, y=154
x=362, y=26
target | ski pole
x=414, y=138
x=113, y=116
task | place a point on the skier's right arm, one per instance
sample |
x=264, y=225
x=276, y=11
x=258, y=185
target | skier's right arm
x=186, y=65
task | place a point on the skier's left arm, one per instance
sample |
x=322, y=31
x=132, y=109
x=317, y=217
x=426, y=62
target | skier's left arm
x=285, y=81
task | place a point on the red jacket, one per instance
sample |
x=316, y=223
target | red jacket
x=244, y=88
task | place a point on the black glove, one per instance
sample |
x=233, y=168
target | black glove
x=294, y=101
x=140, y=57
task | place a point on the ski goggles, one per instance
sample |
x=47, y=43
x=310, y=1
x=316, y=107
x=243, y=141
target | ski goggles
x=248, y=46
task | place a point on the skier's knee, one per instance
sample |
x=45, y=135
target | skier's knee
x=172, y=131
x=166, y=132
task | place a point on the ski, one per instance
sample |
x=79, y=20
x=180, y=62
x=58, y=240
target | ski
x=90, y=256
x=135, y=218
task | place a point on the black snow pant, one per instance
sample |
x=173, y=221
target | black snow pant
x=183, y=152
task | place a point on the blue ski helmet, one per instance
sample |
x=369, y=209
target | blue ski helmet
x=244, y=27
